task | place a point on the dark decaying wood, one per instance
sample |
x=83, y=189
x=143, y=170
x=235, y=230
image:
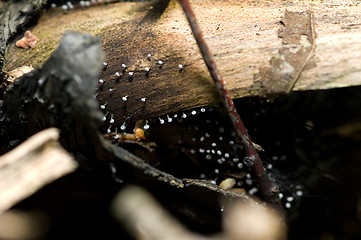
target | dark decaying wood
x=61, y=94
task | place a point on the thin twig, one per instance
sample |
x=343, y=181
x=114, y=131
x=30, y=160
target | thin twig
x=267, y=187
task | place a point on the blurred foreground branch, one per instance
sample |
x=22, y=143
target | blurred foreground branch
x=35, y=163
x=146, y=219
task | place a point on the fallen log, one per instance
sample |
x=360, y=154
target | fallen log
x=247, y=38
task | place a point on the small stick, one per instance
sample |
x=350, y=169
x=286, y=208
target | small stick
x=252, y=160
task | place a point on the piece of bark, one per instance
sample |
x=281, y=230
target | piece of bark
x=242, y=35
x=11, y=76
x=298, y=44
x=33, y=164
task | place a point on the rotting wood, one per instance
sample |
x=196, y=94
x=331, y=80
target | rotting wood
x=60, y=94
x=33, y=164
x=242, y=35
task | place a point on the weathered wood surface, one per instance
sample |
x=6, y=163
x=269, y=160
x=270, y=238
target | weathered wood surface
x=243, y=36
x=35, y=163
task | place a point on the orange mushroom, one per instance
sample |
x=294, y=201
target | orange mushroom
x=29, y=40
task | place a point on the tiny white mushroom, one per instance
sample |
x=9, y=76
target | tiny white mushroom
x=146, y=126
x=111, y=119
x=103, y=105
x=123, y=127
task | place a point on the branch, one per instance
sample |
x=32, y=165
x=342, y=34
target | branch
x=35, y=163
x=252, y=160
x=146, y=219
